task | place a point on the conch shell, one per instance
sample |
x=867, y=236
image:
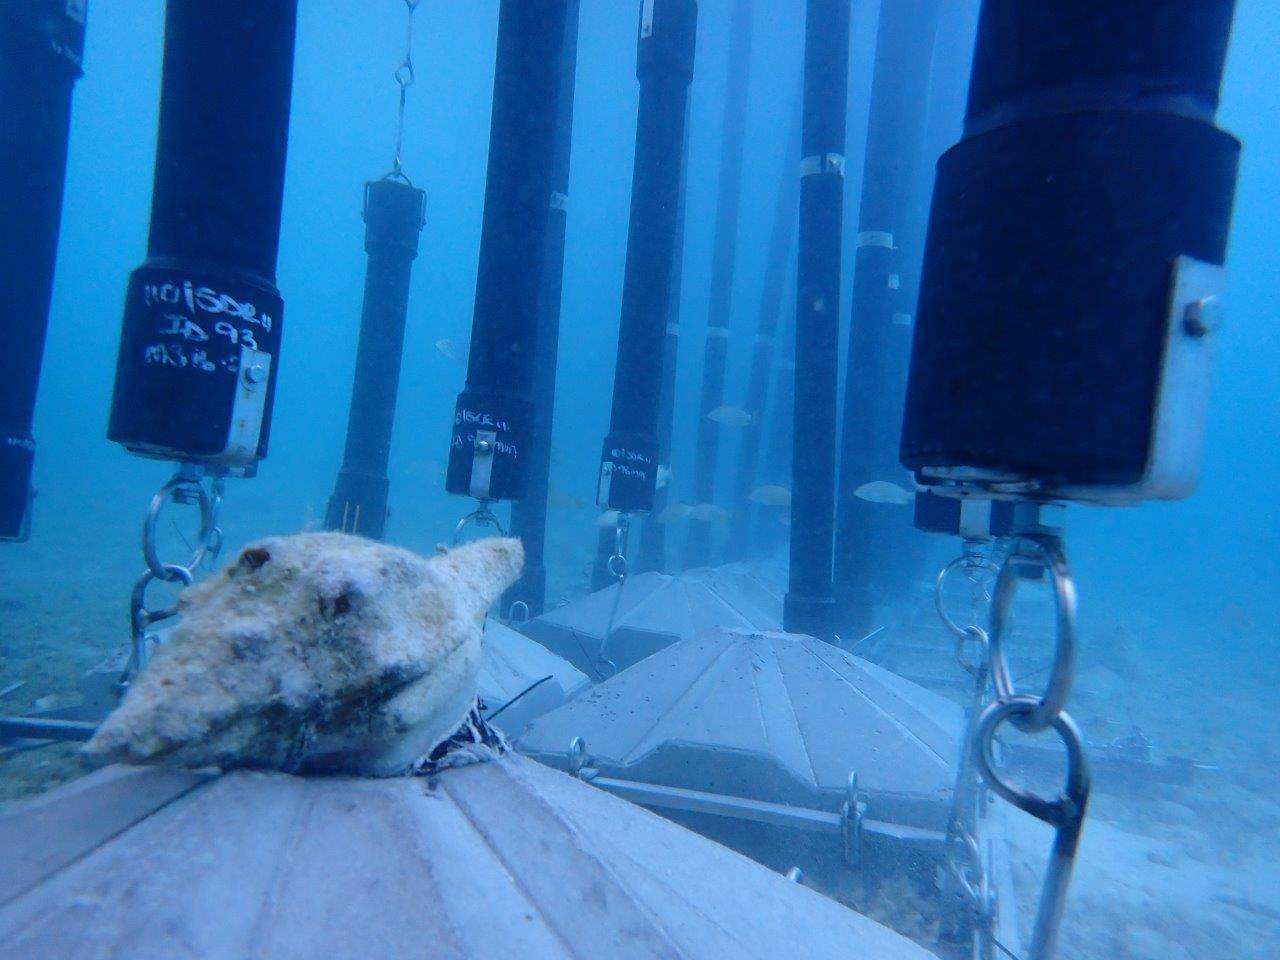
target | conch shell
x=316, y=652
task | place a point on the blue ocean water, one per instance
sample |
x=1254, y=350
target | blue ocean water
x=1188, y=588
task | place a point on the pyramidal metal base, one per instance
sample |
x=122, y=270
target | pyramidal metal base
x=520, y=679
x=505, y=858
x=740, y=722
x=614, y=628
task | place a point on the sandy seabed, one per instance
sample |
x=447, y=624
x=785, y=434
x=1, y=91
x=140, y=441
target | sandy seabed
x=1165, y=872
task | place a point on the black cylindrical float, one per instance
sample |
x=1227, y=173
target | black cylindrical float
x=720, y=306
x=200, y=342
x=492, y=425
x=778, y=263
x=873, y=547
x=41, y=44
x=393, y=217
x=665, y=51
x=529, y=516
x=653, y=532
x=809, y=604
x=1090, y=191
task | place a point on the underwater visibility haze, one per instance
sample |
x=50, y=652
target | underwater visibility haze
x=809, y=270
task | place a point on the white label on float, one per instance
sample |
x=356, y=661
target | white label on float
x=248, y=408
x=876, y=238
x=646, y=19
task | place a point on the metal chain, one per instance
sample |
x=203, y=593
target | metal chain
x=187, y=487
x=404, y=76
x=966, y=884
x=1035, y=713
x=617, y=566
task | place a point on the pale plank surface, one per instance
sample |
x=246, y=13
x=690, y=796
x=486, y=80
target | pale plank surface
x=506, y=859
x=41, y=837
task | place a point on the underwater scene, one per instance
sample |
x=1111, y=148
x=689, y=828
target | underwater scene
x=639, y=478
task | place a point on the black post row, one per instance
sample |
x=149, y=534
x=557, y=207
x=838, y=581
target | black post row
x=809, y=605
x=665, y=53
x=489, y=448
x=41, y=45
x=393, y=217
x=876, y=544
x=529, y=515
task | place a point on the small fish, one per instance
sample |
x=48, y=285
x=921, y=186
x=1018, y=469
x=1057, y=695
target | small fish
x=559, y=500
x=449, y=350
x=882, y=491
x=664, y=475
x=710, y=513
x=673, y=513
x=771, y=495
x=732, y=416
x=607, y=519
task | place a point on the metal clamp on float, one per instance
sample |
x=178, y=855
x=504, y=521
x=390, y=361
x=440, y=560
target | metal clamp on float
x=200, y=340
x=1076, y=247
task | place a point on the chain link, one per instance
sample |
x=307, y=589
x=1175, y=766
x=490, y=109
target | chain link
x=966, y=886
x=404, y=77
x=617, y=567
x=1032, y=714
x=187, y=487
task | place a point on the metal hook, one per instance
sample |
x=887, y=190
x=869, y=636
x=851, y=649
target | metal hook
x=482, y=516
x=1046, y=550
x=1065, y=813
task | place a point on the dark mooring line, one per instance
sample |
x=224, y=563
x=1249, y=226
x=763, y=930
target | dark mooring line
x=809, y=604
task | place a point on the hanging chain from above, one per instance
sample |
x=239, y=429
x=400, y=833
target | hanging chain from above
x=404, y=80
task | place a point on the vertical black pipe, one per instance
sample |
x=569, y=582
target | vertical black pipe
x=41, y=45
x=200, y=341
x=653, y=534
x=529, y=516
x=493, y=420
x=724, y=250
x=809, y=604
x=1089, y=166
x=393, y=216
x=665, y=53
x=873, y=555
x=777, y=267
x=768, y=528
